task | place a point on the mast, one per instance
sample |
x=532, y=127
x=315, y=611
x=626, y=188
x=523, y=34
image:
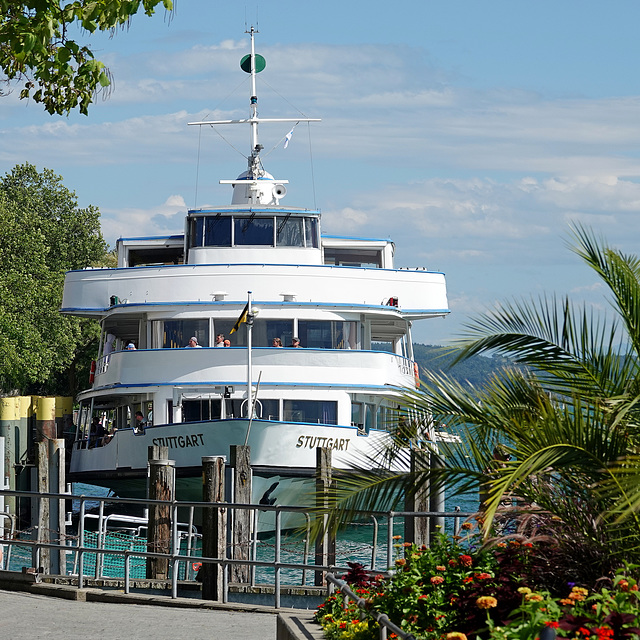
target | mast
x=255, y=186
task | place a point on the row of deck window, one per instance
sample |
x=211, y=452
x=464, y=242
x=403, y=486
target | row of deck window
x=365, y=416
x=313, y=334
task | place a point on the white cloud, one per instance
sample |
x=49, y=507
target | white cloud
x=164, y=219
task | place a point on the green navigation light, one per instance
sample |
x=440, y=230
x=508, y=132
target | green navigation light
x=245, y=63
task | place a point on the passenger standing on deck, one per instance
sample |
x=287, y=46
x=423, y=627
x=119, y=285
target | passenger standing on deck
x=276, y=342
x=219, y=340
x=193, y=343
x=140, y=423
x=295, y=343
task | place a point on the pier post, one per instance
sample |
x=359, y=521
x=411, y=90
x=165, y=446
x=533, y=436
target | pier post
x=214, y=527
x=57, y=484
x=436, y=501
x=45, y=432
x=242, y=518
x=326, y=544
x=161, y=487
x=417, y=529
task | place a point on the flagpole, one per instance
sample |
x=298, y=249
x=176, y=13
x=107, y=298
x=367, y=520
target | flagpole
x=249, y=372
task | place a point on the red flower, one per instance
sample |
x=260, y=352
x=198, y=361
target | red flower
x=467, y=580
x=552, y=623
x=465, y=561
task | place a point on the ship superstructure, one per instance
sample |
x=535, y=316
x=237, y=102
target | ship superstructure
x=341, y=298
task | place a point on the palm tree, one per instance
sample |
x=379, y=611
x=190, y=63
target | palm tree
x=558, y=431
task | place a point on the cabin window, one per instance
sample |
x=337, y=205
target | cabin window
x=264, y=331
x=268, y=409
x=198, y=410
x=253, y=231
x=196, y=232
x=289, y=231
x=328, y=334
x=217, y=231
x=173, y=334
x=352, y=257
x=311, y=232
x=311, y=411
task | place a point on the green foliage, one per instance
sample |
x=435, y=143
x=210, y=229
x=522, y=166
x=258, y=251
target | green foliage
x=43, y=233
x=35, y=48
x=455, y=591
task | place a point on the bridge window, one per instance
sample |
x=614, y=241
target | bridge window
x=253, y=231
x=289, y=231
x=217, y=231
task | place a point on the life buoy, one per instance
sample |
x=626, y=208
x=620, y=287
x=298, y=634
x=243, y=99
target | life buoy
x=92, y=372
x=416, y=374
x=196, y=566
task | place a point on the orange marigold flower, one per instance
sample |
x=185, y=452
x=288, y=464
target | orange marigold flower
x=486, y=602
x=441, y=568
x=502, y=545
x=437, y=580
x=582, y=590
x=406, y=544
x=467, y=526
x=455, y=635
x=623, y=585
x=465, y=560
x=401, y=562
x=578, y=597
x=514, y=543
x=397, y=537
x=633, y=587
x=566, y=601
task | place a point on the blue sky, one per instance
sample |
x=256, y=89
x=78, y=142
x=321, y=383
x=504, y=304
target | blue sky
x=471, y=133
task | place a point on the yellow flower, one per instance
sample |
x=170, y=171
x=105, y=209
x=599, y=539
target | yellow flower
x=486, y=602
x=524, y=591
x=533, y=597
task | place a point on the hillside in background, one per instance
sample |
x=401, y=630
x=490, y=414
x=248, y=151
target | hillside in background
x=475, y=370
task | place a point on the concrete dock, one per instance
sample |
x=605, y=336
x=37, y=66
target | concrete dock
x=29, y=616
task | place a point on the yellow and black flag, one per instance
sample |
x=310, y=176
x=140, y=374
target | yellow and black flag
x=241, y=319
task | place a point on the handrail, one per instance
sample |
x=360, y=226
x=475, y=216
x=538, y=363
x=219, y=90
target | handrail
x=381, y=618
x=175, y=558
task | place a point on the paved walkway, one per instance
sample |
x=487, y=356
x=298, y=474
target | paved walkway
x=26, y=616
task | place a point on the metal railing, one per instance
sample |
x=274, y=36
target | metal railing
x=76, y=544
x=361, y=603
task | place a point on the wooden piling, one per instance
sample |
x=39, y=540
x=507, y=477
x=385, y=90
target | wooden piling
x=161, y=487
x=437, y=499
x=242, y=518
x=325, y=544
x=214, y=527
x=417, y=529
x=57, y=484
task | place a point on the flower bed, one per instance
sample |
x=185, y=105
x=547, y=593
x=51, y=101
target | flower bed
x=453, y=591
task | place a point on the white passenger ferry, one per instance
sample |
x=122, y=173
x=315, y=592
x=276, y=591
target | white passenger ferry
x=270, y=265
